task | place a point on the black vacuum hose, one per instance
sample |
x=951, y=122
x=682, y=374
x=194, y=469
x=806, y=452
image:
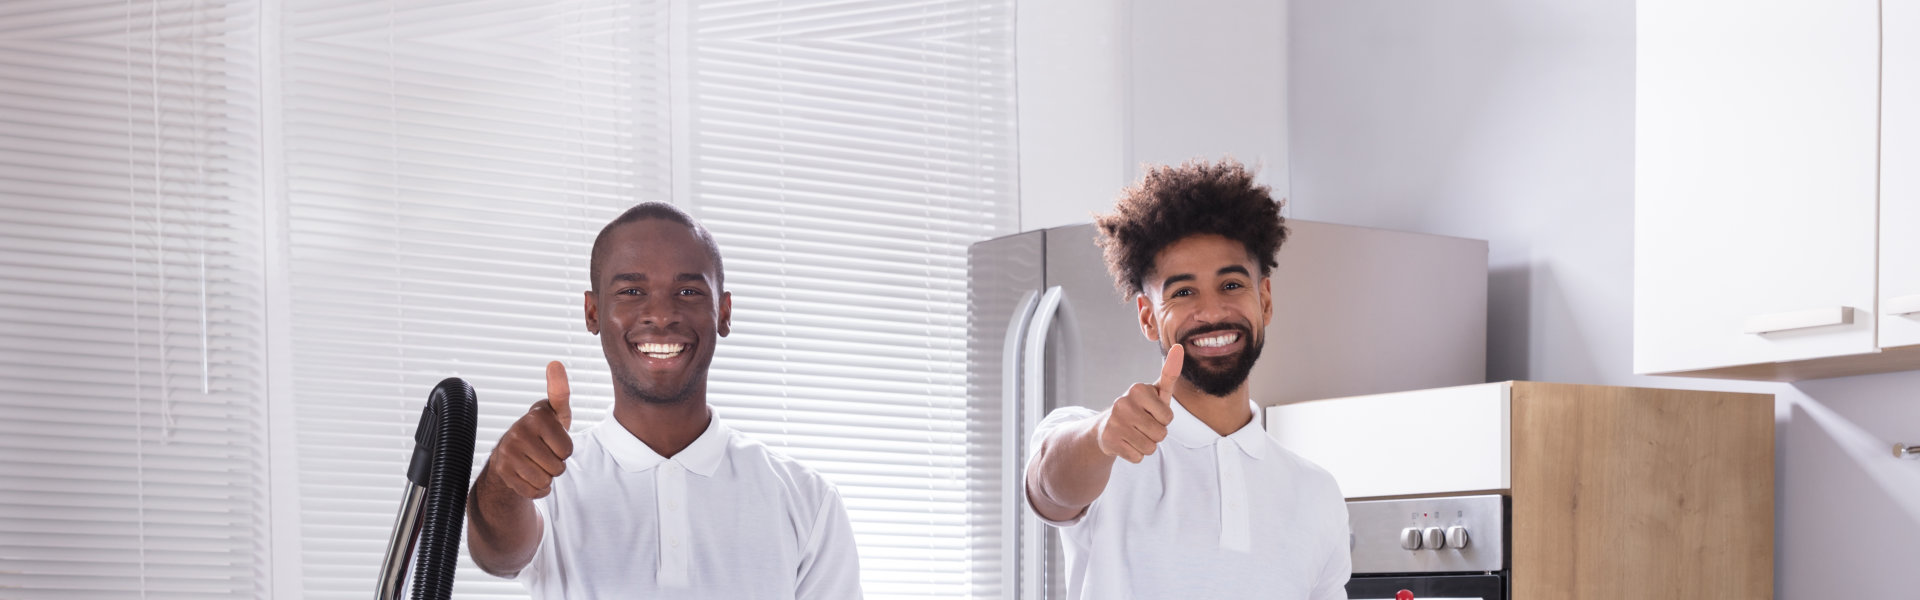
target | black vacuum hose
x=434, y=510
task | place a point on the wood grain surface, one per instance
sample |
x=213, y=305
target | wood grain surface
x=1641, y=493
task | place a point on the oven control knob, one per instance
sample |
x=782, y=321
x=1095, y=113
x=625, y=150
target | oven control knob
x=1410, y=538
x=1435, y=539
x=1457, y=537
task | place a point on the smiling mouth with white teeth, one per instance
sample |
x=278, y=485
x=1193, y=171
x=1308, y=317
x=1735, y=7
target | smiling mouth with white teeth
x=1216, y=341
x=662, y=351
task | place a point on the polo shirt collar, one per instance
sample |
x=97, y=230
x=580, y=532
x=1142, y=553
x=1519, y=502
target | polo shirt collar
x=1191, y=432
x=702, y=457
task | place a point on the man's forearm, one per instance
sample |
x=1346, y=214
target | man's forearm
x=1070, y=471
x=503, y=529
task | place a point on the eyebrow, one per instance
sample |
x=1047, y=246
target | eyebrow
x=622, y=277
x=1184, y=277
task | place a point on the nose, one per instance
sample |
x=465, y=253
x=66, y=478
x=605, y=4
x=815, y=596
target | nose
x=654, y=310
x=1212, y=308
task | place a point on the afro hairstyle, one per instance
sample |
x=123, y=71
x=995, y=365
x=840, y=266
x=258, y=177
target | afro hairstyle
x=1171, y=203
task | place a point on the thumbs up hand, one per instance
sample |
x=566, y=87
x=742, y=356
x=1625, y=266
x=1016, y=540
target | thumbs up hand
x=1136, y=424
x=535, y=448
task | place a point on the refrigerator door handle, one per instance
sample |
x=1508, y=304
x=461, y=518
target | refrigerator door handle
x=1034, y=380
x=1033, y=400
x=1011, y=458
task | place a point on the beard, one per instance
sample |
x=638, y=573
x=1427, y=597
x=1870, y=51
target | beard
x=1225, y=380
x=633, y=390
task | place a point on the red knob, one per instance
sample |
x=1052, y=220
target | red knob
x=1403, y=595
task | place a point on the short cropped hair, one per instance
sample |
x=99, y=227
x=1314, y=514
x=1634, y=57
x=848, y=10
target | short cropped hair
x=1171, y=203
x=656, y=210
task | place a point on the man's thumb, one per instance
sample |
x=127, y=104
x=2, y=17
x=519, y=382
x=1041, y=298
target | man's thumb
x=1170, y=370
x=557, y=393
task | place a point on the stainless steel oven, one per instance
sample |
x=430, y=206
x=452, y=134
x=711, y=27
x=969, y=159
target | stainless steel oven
x=1447, y=547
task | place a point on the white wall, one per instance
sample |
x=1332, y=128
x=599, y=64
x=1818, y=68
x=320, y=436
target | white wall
x=1512, y=121
x=1105, y=86
x=1071, y=57
x=1208, y=79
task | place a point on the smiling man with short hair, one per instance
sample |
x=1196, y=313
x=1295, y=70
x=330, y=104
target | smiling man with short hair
x=1206, y=504
x=661, y=499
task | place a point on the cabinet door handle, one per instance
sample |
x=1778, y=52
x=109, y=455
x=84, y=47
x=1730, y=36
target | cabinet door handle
x=1799, y=319
x=1903, y=305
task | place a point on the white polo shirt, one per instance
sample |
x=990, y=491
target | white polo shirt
x=1207, y=516
x=726, y=518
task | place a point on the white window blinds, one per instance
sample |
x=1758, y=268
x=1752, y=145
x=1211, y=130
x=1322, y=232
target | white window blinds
x=448, y=165
x=845, y=154
x=132, y=426
x=439, y=169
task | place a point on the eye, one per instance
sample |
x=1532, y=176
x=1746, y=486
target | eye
x=689, y=292
x=1232, y=285
x=1183, y=292
x=628, y=292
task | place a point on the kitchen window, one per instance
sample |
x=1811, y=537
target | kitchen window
x=342, y=202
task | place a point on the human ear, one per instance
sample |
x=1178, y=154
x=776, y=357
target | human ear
x=726, y=313
x=1148, y=327
x=1266, y=301
x=593, y=313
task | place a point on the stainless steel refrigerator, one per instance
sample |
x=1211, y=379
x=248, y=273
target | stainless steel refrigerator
x=1356, y=311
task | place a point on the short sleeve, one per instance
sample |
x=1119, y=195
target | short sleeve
x=1338, y=566
x=1060, y=417
x=830, y=564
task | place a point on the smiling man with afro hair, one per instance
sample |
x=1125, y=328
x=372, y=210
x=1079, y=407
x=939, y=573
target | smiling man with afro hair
x=1175, y=491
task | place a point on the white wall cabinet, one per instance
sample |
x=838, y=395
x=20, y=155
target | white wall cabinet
x=1766, y=218
x=1900, y=174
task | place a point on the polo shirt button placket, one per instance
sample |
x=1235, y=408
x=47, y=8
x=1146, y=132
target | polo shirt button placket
x=670, y=494
x=1234, y=520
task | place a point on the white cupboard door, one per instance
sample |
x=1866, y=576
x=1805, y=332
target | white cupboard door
x=1434, y=441
x=1900, y=174
x=1755, y=186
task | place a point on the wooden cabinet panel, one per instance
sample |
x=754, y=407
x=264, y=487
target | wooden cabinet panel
x=1641, y=493
x=1900, y=174
x=1757, y=141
